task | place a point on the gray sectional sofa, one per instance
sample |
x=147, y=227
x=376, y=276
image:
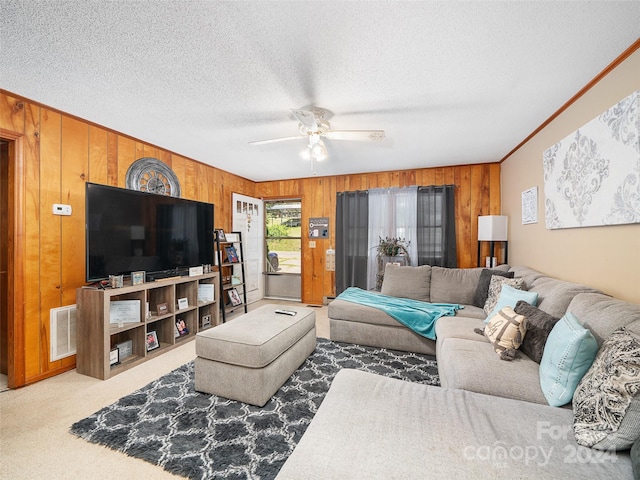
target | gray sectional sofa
x=489, y=418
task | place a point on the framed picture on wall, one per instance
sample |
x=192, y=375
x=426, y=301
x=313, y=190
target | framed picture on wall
x=530, y=206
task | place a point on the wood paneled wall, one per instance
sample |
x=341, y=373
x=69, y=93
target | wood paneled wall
x=59, y=153
x=477, y=193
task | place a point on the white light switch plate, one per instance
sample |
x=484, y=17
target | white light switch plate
x=60, y=209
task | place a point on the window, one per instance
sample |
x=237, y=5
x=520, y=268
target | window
x=283, y=225
x=436, y=226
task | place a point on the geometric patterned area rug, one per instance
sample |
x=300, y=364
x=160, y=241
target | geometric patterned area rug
x=202, y=436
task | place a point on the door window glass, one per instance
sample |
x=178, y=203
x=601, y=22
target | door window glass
x=283, y=236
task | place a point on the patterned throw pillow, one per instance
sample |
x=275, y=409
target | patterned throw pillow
x=505, y=331
x=495, y=287
x=539, y=325
x=606, y=404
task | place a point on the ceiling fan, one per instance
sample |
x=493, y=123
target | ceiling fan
x=313, y=125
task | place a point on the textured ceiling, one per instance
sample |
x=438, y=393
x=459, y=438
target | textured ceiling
x=450, y=82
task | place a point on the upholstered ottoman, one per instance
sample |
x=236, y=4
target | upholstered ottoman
x=249, y=358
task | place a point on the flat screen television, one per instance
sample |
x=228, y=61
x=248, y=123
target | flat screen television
x=128, y=231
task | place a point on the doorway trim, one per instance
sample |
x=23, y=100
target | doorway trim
x=16, y=255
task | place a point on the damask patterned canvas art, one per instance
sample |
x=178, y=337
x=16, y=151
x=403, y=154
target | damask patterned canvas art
x=592, y=177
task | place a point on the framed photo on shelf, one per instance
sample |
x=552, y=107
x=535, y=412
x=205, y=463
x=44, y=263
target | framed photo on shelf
x=232, y=254
x=114, y=356
x=206, y=321
x=162, y=309
x=152, y=341
x=137, y=278
x=183, y=303
x=221, y=236
x=182, y=327
x=232, y=237
x=234, y=297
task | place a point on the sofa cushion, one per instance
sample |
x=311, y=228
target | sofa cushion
x=529, y=275
x=539, y=325
x=454, y=285
x=482, y=290
x=568, y=354
x=505, y=331
x=554, y=296
x=407, y=282
x=603, y=315
x=370, y=426
x=509, y=296
x=459, y=327
x=354, y=312
x=606, y=404
x=473, y=366
x=495, y=288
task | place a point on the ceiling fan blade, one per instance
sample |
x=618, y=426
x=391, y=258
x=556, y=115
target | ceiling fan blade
x=306, y=118
x=357, y=135
x=274, y=140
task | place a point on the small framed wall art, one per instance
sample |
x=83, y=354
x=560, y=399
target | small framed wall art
x=530, y=206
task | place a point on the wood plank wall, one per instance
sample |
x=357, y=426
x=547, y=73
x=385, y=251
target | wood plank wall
x=60, y=153
x=477, y=193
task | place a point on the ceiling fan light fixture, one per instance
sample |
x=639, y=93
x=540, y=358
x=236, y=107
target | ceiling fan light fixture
x=318, y=151
x=306, y=153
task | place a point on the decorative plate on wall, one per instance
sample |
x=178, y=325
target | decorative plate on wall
x=151, y=175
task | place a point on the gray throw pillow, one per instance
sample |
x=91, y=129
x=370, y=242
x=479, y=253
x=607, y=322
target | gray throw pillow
x=635, y=459
x=407, y=282
x=482, y=290
x=606, y=404
x=539, y=325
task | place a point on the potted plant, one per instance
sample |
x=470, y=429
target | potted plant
x=390, y=250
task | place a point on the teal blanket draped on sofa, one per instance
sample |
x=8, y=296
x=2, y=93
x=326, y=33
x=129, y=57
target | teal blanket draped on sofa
x=417, y=315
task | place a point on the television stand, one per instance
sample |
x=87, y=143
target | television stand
x=104, y=326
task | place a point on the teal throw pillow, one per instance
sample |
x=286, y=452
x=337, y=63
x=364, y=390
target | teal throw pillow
x=568, y=354
x=509, y=296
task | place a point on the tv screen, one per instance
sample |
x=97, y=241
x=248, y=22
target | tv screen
x=128, y=231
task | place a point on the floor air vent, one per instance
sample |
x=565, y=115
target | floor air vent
x=63, y=332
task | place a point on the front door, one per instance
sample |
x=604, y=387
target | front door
x=248, y=218
x=284, y=242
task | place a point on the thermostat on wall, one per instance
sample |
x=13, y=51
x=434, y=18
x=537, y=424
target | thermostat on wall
x=60, y=209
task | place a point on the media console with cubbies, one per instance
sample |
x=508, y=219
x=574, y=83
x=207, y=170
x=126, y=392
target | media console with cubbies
x=102, y=324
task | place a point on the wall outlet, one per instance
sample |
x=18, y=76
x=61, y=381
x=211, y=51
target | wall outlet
x=60, y=209
x=312, y=244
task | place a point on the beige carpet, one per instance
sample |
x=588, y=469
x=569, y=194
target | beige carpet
x=34, y=421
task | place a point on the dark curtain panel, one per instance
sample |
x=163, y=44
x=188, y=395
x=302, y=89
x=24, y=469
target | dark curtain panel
x=352, y=223
x=437, y=226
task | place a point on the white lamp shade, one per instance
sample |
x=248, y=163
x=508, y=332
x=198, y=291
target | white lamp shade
x=492, y=228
